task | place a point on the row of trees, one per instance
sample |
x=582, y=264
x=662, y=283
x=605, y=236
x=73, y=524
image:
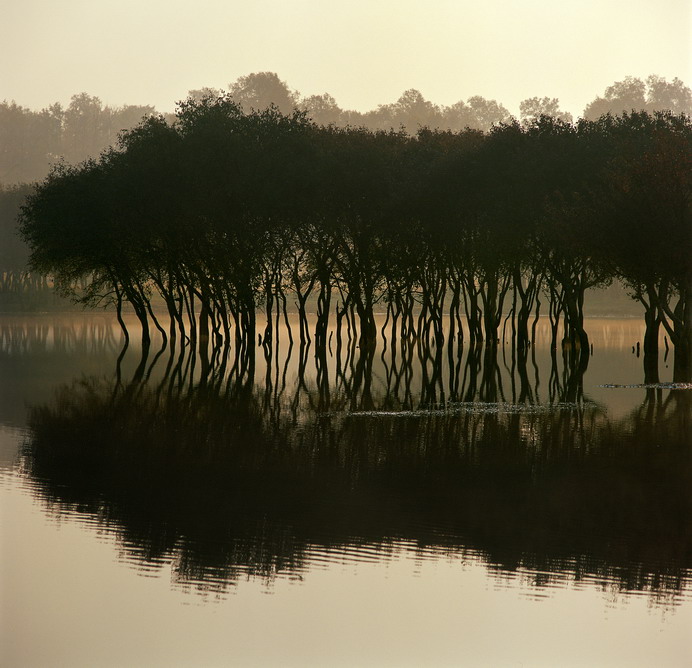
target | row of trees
x=30, y=141
x=413, y=111
x=20, y=288
x=14, y=254
x=223, y=211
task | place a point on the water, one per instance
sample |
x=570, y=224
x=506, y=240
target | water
x=392, y=511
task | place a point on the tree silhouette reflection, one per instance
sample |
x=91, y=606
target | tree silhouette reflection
x=227, y=479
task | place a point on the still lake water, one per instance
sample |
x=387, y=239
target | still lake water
x=400, y=511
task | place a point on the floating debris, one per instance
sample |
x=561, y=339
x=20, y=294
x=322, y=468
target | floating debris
x=650, y=386
x=477, y=407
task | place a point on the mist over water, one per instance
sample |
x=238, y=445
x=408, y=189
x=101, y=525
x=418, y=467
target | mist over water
x=518, y=484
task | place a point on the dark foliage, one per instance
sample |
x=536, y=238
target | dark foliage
x=224, y=210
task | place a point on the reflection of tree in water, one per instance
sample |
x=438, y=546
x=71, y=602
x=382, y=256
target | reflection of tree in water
x=229, y=480
x=37, y=336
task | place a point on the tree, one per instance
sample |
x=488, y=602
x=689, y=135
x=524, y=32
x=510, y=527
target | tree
x=322, y=109
x=127, y=117
x=86, y=128
x=14, y=254
x=643, y=222
x=533, y=108
x=224, y=209
x=673, y=96
x=476, y=113
x=413, y=111
x=262, y=89
x=199, y=94
x=29, y=142
x=633, y=94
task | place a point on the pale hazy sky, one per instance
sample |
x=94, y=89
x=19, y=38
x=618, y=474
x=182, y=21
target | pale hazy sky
x=363, y=52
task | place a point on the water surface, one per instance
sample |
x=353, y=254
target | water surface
x=340, y=509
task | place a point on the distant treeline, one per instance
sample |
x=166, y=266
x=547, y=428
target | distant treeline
x=30, y=141
x=20, y=288
x=222, y=211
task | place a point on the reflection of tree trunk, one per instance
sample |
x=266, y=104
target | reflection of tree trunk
x=472, y=312
x=682, y=369
x=470, y=381
x=204, y=332
x=322, y=377
x=651, y=368
x=141, y=367
x=118, y=368
x=574, y=369
x=490, y=374
x=525, y=394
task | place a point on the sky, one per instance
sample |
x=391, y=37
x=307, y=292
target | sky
x=363, y=52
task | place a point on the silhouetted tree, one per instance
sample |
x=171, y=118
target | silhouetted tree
x=476, y=113
x=322, y=109
x=633, y=94
x=15, y=278
x=413, y=111
x=673, y=96
x=240, y=208
x=29, y=141
x=531, y=109
x=643, y=208
x=199, y=94
x=262, y=89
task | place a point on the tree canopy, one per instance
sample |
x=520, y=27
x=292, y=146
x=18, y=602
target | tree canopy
x=226, y=209
x=30, y=141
